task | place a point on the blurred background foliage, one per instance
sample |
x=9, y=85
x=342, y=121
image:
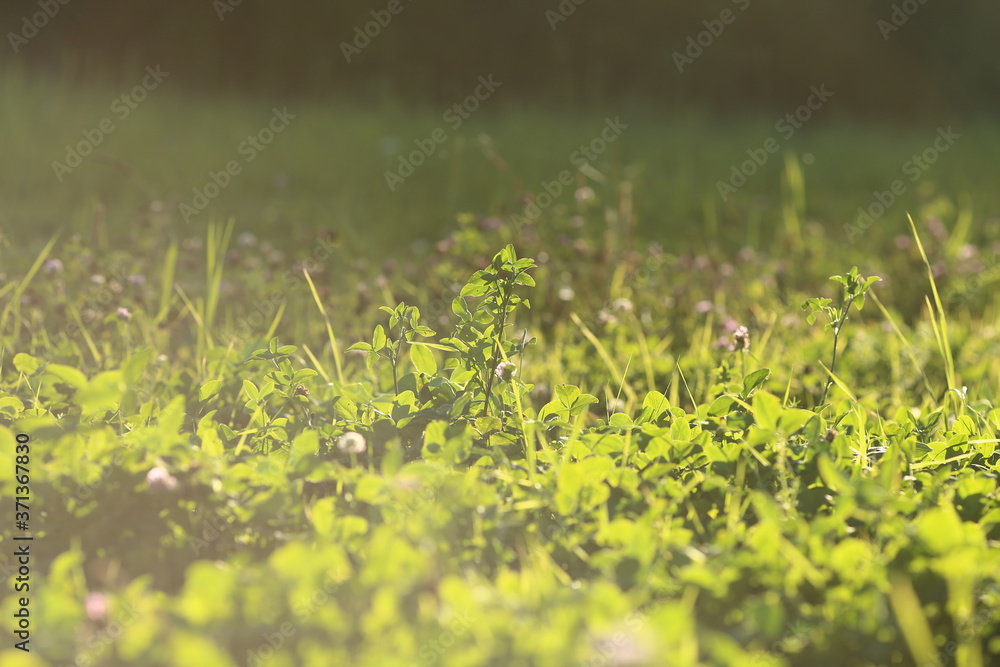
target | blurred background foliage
x=944, y=59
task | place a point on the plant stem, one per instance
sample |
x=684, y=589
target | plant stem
x=836, y=338
x=498, y=343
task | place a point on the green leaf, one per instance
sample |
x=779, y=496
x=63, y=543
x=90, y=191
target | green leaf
x=104, y=392
x=251, y=390
x=372, y=490
x=754, y=380
x=303, y=374
x=759, y=436
x=581, y=403
x=941, y=529
x=654, y=405
x=196, y=650
x=323, y=515
x=620, y=420
x=304, y=445
x=443, y=348
x=378, y=338
x=721, y=406
x=831, y=476
x=472, y=289
x=134, y=367
x=67, y=374
x=524, y=279
x=26, y=363
x=266, y=389
x=792, y=419
x=423, y=360
x=209, y=389
x=569, y=484
x=209, y=434
x=11, y=407
x=680, y=430
x=460, y=308
x=488, y=425
x=766, y=409
x=567, y=394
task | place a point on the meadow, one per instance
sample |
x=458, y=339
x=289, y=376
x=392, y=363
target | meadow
x=522, y=408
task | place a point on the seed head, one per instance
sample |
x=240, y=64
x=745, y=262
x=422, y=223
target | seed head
x=351, y=442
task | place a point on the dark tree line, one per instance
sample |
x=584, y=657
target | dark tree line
x=889, y=57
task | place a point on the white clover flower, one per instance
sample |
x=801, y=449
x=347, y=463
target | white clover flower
x=95, y=605
x=246, y=239
x=741, y=339
x=160, y=479
x=505, y=371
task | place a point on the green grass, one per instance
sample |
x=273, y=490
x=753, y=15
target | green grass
x=638, y=493
x=327, y=168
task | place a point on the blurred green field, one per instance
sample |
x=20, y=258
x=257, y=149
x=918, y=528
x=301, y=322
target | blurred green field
x=680, y=468
x=327, y=169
